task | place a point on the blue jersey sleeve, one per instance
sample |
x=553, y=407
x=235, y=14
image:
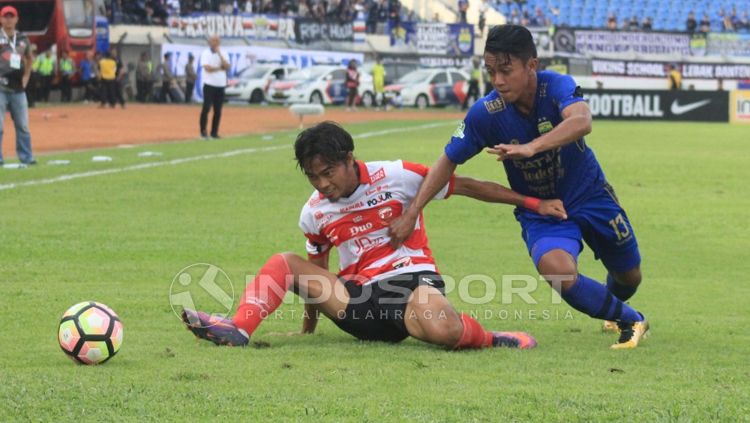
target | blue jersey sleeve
x=564, y=91
x=468, y=140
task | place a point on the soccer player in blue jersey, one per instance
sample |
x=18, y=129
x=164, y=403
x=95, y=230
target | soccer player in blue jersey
x=534, y=122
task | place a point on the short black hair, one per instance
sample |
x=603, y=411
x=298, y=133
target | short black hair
x=511, y=40
x=327, y=140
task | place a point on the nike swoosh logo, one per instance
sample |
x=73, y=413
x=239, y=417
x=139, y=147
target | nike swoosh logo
x=678, y=109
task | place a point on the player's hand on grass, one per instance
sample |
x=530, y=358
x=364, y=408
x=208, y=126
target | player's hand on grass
x=553, y=208
x=401, y=227
x=511, y=151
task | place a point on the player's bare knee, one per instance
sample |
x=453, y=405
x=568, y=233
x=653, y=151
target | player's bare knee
x=559, y=269
x=631, y=277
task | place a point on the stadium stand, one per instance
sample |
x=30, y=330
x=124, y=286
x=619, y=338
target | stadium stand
x=665, y=15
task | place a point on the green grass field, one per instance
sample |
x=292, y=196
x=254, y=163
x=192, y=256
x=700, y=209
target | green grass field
x=120, y=234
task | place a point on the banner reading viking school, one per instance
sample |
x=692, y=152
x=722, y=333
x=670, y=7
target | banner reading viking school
x=659, y=69
x=246, y=25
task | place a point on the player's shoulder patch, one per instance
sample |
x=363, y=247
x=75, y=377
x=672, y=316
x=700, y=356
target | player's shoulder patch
x=496, y=105
x=459, y=132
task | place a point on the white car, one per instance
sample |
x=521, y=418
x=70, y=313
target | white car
x=252, y=83
x=429, y=87
x=319, y=85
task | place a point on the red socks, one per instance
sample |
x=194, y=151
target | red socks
x=264, y=295
x=474, y=335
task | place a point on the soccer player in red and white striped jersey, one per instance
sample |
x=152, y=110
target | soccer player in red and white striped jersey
x=380, y=293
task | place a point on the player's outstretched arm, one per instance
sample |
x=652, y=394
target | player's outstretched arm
x=438, y=176
x=310, y=316
x=575, y=125
x=492, y=192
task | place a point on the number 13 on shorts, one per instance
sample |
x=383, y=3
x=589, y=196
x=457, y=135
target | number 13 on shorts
x=620, y=227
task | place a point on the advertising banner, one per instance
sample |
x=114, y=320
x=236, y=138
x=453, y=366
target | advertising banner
x=445, y=39
x=698, y=106
x=739, y=105
x=660, y=69
x=728, y=44
x=252, y=26
x=309, y=30
x=241, y=57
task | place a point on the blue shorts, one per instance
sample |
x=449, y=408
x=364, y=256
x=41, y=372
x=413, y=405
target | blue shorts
x=600, y=222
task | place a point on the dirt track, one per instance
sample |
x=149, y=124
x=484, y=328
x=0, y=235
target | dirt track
x=59, y=128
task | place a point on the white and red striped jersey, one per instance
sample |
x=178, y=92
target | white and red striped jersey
x=358, y=225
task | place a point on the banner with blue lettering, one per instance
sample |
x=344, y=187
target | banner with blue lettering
x=445, y=39
x=241, y=57
x=728, y=44
x=245, y=25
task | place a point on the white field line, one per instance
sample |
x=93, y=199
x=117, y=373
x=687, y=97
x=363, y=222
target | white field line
x=173, y=162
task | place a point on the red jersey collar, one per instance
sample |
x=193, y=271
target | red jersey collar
x=364, y=174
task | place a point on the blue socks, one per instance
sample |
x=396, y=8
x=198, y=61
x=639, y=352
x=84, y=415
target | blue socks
x=590, y=297
x=622, y=292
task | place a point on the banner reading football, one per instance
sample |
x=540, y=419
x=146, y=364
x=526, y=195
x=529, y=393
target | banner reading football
x=702, y=106
x=445, y=39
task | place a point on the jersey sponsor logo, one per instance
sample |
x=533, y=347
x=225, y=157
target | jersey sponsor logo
x=349, y=208
x=376, y=189
x=314, y=201
x=385, y=213
x=680, y=109
x=355, y=230
x=331, y=235
x=358, y=218
x=494, y=106
x=379, y=199
x=544, y=126
x=402, y=262
x=459, y=132
x=365, y=244
x=318, y=215
x=377, y=176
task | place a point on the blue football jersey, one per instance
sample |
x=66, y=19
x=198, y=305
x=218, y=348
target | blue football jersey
x=570, y=173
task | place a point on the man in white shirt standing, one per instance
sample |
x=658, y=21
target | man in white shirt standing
x=215, y=67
